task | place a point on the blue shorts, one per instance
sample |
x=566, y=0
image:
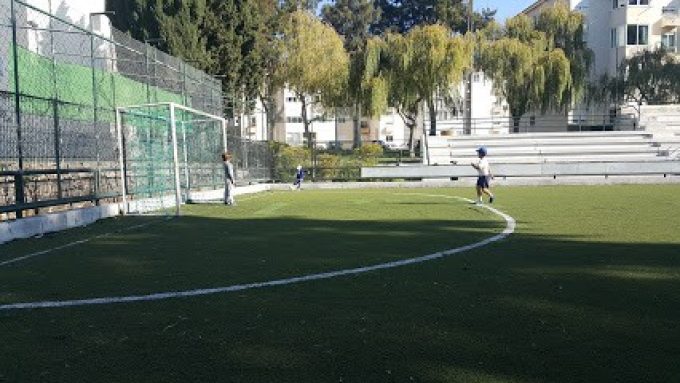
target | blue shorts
x=483, y=182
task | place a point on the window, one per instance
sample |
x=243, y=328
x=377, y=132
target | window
x=294, y=120
x=475, y=77
x=532, y=121
x=389, y=138
x=668, y=41
x=613, y=37
x=615, y=4
x=291, y=99
x=638, y=34
x=638, y=2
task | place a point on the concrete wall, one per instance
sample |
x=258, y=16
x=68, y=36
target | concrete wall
x=39, y=225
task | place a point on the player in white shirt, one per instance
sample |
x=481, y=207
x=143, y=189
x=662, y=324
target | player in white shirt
x=485, y=176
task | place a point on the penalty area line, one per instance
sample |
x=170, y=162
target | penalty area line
x=79, y=242
x=509, y=229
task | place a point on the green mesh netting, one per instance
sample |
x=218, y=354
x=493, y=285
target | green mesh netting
x=149, y=159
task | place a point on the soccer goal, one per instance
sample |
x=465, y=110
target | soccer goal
x=167, y=152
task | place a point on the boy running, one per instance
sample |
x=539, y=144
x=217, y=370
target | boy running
x=299, y=177
x=484, y=170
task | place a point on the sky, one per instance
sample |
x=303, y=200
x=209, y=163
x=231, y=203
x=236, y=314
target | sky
x=506, y=8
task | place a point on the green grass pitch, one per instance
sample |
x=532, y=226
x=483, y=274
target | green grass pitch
x=587, y=289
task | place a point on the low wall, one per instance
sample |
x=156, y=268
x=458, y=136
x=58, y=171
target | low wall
x=48, y=223
x=552, y=170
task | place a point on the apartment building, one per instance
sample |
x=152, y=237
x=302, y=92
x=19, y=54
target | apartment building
x=618, y=29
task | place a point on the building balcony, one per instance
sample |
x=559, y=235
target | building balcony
x=670, y=18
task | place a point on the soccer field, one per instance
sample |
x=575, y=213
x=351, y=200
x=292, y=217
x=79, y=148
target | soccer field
x=586, y=289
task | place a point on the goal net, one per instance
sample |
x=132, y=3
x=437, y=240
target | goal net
x=168, y=152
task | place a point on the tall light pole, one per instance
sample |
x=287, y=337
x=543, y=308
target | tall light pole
x=467, y=127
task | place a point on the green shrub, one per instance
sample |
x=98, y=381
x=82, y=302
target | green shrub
x=369, y=154
x=328, y=166
x=287, y=158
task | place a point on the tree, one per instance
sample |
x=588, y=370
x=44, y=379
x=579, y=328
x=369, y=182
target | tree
x=289, y=6
x=314, y=63
x=179, y=24
x=438, y=62
x=237, y=38
x=352, y=19
x=402, y=15
x=651, y=77
x=402, y=94
x=564, y=29
x=137, y=17
x=527, y=70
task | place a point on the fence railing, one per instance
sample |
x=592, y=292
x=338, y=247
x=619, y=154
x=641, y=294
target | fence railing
x=536, y=124
x=60, y=82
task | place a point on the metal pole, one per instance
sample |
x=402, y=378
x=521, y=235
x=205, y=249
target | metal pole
x=57, y=149
x=175, y=157
x=19, y=181
x=55, y=105
x=147, y=80
x=468, y=84
x=95, y=106
x=186, y=161
x=121, y=161
x=184, y=83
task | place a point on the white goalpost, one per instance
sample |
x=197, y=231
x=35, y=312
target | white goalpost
x=165, y=152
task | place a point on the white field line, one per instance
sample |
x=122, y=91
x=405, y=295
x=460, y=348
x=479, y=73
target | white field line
x=509, y=229
x=80, y=242
x=86, y=240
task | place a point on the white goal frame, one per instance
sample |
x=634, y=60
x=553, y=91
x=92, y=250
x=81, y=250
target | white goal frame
x=173, y=107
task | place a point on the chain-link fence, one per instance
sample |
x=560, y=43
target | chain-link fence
x=60, y=82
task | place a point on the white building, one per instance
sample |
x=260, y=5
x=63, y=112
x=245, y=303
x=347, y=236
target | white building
x=618, y=29
x=489, y=116
x=35, y=33
x=615, y=30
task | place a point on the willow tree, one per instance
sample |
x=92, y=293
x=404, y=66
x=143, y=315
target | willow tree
x=313, y=63
x=402, y=92
x=527, y=70
x=437, y=62
x=352, y=19
x=564, y=29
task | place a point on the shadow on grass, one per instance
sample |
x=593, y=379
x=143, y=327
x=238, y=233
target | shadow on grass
x=528, y=309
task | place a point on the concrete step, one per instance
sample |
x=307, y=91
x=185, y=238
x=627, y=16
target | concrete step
x=550, y=150
x=442, y=160
x=538, y=143
x=539, y=136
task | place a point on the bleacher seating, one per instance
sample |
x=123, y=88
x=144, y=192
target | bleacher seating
x=555, y=147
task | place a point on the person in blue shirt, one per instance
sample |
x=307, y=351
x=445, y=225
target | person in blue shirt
x=299, y=177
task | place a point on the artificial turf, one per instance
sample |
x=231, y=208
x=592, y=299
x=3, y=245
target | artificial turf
x=586, y=290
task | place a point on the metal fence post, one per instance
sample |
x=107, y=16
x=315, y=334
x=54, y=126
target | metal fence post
x=57, y=146
x=95, y=115
x=19, y=180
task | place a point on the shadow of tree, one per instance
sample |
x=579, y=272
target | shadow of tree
x=529, y=309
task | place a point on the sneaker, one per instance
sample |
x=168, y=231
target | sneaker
x=491, y=199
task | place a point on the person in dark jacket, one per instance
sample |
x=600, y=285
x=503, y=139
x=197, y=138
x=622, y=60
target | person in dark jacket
x=299, y=177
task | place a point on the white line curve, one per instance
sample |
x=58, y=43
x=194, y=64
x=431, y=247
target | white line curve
x=509, y=229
